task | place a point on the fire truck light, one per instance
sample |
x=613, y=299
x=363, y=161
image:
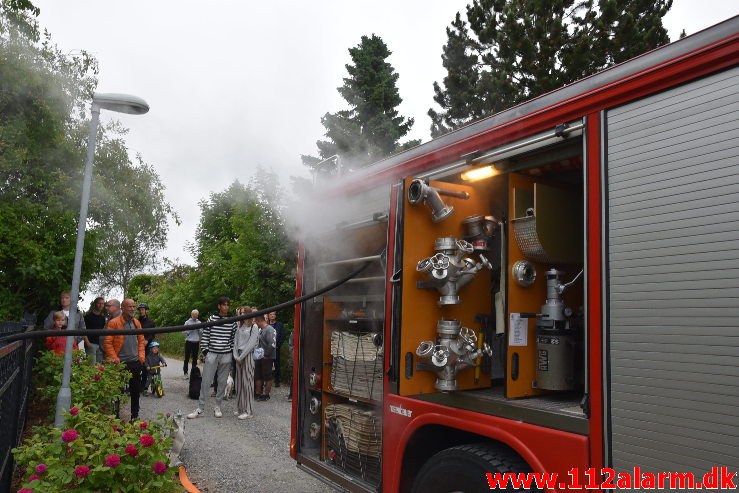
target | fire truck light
x=479, y=173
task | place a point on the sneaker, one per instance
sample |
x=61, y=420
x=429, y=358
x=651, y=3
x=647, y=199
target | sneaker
x=187, y=377
x=217, y=412
x=265, y=397
x=195, y=414
x=244, y=416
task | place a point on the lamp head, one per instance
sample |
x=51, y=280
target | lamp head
x=121, y=103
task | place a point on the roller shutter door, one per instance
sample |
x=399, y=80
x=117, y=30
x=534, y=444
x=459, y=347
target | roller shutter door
x=672, y=374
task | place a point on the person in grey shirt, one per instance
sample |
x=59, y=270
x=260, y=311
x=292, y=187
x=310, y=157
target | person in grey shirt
x=263, y=367
x=192, y=341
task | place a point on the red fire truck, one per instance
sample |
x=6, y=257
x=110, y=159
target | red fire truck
x=553, y=289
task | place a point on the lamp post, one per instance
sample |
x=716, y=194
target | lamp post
x=122, y=103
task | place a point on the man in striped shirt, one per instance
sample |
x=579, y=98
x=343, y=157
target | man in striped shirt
x=216, y=344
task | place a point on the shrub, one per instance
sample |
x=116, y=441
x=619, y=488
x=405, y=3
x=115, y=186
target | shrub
x=96, y=452
x=172, y=344
x=95, y=385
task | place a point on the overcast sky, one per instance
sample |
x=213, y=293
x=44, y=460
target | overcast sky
x=236, y=84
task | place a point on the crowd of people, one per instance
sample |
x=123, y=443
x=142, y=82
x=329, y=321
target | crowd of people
x=247, y=350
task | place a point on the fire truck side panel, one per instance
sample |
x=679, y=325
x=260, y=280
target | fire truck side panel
x=673, y=278
x=659, y=189
x=433, y=425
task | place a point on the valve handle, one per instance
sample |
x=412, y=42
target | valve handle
x=487, y=349
x=441, y=356
x=468, y=336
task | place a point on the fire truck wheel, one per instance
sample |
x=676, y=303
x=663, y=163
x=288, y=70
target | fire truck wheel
x=463, y=469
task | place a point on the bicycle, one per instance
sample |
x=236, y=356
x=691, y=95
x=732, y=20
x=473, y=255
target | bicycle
x=156, y=381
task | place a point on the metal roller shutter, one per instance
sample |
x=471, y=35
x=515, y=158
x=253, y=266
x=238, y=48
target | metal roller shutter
x=672, y=167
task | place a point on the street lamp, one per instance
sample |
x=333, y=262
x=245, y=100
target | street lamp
x=122, y=103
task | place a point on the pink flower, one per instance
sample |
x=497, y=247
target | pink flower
x=115, y=428
x=74, y=411
x=132, y=450
x=160, y=467
x=101, y=368
x=97, y=376
x=87, y=403
x=143, y=425
x=81, y=471
x=77, y=360
x=112, y=460
x=33, y=477
x=25, y=490
x=70, y=436
x=146, y=440
x=41, y=468
x=168, y=415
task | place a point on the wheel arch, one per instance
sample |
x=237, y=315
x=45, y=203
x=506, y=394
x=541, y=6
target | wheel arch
x=429, y=439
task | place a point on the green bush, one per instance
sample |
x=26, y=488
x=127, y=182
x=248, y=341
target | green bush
x=94, y=385
x=172, y=344
x=96, y=452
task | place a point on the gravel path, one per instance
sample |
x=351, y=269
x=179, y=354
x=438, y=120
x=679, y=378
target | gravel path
x=229, y=455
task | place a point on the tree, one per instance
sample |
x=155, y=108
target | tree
x=371, y=128
x=520, y=49
x=242, y=251
x=44, y=100
x=133, y=216
x=40, y=164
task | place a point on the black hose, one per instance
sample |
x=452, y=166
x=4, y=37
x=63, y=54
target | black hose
x=179, y=328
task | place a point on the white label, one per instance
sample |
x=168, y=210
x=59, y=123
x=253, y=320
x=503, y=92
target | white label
x=518, y=334
x=401, y=410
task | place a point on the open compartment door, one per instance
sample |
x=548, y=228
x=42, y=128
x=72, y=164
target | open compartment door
x=420, y=307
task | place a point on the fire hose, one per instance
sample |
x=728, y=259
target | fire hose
x=180, y=328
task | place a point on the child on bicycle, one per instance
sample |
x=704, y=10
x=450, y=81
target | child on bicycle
x=153, y=359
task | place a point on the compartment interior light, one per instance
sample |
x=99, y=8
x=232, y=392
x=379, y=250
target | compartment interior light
x=481, y=173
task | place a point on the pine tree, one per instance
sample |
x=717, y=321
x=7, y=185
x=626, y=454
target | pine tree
x=371, y=128
x=515, y=50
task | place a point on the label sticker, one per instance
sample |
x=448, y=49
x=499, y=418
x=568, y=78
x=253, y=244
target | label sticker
x=518, y=335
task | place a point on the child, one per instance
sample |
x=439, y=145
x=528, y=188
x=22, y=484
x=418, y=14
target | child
x=152, y=359
x=58, y=344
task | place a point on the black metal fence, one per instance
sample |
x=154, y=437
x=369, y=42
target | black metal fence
x=16, y=363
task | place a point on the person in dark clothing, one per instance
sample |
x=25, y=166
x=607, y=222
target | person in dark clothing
x=146, y=323
x=95, y=320
x=280, y=330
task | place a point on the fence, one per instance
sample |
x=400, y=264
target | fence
x=16, y=362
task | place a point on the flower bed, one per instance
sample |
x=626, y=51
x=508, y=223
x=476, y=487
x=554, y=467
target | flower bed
x=95, y=451
x=97, y=386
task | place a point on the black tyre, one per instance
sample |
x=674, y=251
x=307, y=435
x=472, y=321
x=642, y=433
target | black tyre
x=463, y=469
